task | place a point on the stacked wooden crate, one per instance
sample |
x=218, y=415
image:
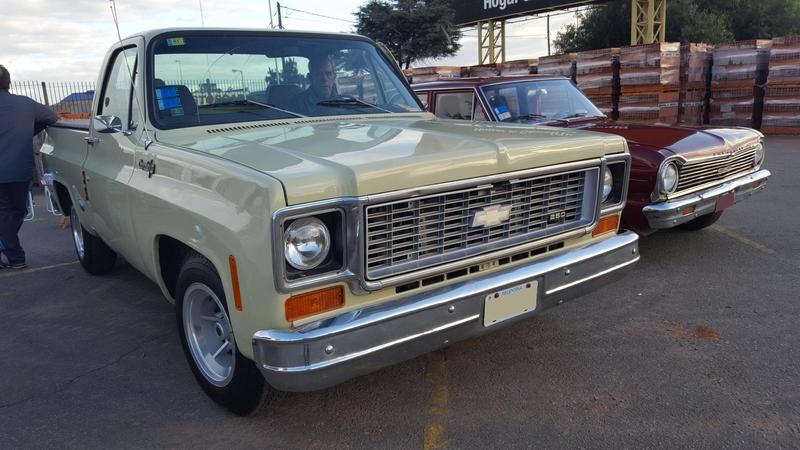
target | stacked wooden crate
x=425, y=74
x=695, y=83
x=597, y=75
x=782, y=97
x=649, y=83
x=484, y=70
x=519, y=67
x=738, y=73
x=560, y=65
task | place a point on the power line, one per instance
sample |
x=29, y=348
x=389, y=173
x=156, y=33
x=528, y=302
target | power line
x=513, y=35
x=312, y=20
x=315, y=14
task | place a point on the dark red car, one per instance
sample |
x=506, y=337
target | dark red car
x=679, y=176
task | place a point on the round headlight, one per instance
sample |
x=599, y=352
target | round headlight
x=608, y=183
x=669, y=178
x=758, y=159
x=306, y=243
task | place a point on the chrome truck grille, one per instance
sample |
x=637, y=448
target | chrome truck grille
x=415, y=233
x=696, y=173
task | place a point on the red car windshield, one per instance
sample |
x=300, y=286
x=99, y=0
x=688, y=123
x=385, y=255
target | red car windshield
x=537, y=101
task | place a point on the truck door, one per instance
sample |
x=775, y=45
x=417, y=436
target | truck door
x=110, y=160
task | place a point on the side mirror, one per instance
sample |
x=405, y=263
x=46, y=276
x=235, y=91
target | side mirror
x=107, y=124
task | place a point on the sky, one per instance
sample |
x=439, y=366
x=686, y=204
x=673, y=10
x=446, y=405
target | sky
x=66, y=40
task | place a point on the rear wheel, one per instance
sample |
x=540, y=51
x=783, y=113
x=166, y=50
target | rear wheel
x=229, y=378
x=701, y=222
x=95, y=256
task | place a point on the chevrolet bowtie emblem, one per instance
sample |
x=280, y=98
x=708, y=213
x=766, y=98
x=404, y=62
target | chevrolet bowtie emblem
x=491, y=216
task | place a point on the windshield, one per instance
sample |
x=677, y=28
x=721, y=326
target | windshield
x=226, y=78
x=538, y=101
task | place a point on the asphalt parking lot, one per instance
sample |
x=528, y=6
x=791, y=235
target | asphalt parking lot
x=698, y=347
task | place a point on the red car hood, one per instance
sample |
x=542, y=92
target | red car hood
x=676, y=139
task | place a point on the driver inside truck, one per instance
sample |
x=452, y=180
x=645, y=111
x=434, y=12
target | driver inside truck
x=322, y=74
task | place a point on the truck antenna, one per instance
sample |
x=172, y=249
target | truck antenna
x=147, y=139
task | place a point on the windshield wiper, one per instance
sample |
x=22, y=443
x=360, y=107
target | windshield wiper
x=573, y=116
x=350, y=101
x=252, y=102
x=528, y=117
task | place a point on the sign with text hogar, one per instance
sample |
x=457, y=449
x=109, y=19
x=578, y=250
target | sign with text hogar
x=471, y=11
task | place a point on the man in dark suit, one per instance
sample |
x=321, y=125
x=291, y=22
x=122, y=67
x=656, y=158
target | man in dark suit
x=20, y=119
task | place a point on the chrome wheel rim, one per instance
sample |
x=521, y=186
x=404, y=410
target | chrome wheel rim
x=77, y=232
x=209, y=334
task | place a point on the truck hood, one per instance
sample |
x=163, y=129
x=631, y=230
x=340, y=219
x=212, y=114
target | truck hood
x=688, y=142
x=353, y=156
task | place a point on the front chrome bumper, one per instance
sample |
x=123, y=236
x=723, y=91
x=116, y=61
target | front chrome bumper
x=671, y=212
x=332, y=350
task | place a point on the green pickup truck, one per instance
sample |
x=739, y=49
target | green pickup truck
x=310, y=221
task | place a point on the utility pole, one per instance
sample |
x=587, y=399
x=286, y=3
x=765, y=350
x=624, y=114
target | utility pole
x=548, y=35
x=271, y=23
x=280, y=19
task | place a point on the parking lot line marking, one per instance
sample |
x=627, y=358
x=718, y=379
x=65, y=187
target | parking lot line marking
x=35, y=269
x=437, y=374
x=744, y=240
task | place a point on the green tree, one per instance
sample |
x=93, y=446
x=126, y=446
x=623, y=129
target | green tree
x=289, y=74
x=748, y=19
x=603, y=27
x=410, y=29
x=689, y=22
x=711, y=21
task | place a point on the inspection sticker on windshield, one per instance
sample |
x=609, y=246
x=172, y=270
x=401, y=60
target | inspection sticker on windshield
x=510, y=302
x=174, y=42
x=502, y=112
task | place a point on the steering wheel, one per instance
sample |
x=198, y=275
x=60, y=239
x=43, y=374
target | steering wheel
x=395, y=98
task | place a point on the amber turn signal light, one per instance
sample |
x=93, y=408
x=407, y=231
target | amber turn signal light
x=687, y=210
x=606, y=225
x=310, y=303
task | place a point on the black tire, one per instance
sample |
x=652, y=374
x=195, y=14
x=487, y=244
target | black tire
x=244, y=389
x=701, y=222
x=95, y=256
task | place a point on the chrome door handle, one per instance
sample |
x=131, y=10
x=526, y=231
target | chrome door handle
x=91, y=140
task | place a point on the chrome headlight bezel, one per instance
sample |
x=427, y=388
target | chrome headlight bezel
x=759, y=155
x=620, y=167
x=608, y=183
x=338, y=218
x=663, y=173
x=306, y=243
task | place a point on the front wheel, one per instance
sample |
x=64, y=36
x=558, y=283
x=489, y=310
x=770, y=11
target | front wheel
x=206, y=334
x=701, y=222
x=95, y=256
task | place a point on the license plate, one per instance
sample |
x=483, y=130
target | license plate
x=509, y=303
x=725, y=201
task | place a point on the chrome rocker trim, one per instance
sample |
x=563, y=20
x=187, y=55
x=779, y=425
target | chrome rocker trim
x=668, y=214
x=330, y=351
